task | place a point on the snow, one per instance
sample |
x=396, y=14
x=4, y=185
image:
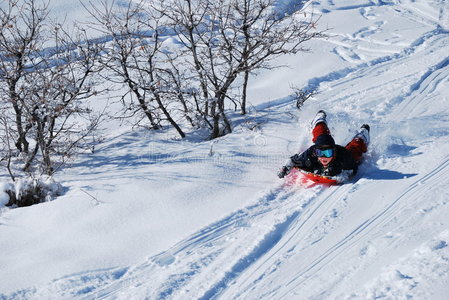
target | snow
x=149, y=216
x=4, y=198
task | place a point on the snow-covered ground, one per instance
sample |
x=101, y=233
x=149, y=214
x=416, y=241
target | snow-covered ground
x=149, y=216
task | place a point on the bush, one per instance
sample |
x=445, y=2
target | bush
x=29, y=191
x=302, y=95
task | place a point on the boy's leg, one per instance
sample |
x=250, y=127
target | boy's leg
x=359, y=143
x=319, y=125
x=319, y=129
x=357, y=147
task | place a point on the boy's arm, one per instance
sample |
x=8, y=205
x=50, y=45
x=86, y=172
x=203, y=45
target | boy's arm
x=301, y=161
x=349, y=167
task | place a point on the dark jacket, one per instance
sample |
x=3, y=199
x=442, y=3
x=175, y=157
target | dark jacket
x=308, y=161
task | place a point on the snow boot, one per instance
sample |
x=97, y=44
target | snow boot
x=363, y=134
x=319, y=118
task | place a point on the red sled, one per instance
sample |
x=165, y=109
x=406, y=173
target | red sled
x=309, y=179
x=319, y=178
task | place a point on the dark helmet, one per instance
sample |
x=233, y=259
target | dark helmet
x=325, y=141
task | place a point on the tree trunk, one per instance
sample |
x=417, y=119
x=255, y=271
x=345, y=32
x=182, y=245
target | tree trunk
x=142, y=104
x=219, y=117
x=215, y=121
x=22, y=143
x=245, y=86
x=45, y=150
x=30, y=158
x=196, y=60
x=167, y=114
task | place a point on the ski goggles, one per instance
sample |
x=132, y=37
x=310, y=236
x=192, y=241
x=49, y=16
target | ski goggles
x=329, y=152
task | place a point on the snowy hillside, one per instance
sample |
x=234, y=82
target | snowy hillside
x=150, y=216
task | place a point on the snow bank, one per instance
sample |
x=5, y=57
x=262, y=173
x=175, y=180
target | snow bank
x=28, y=191
x=4, y=197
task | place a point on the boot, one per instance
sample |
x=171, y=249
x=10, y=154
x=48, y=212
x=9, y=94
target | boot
x=363, y=134
x=319, y=118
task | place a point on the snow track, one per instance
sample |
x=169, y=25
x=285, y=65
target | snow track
x=287, y=230
x=336, y=245
x=194, y=267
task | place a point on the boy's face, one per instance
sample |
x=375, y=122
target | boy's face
x=325, y=155
x=325, y=161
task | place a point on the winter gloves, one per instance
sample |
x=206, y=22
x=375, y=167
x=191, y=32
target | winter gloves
x=283, y=171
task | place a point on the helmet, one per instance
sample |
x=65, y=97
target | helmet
x=325, y=141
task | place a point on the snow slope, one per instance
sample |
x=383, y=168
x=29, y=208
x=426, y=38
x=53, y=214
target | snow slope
x=150, y=217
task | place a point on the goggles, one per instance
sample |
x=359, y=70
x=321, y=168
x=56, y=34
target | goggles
x=329, y=152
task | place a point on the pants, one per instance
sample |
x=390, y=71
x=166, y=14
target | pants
x=356, y=146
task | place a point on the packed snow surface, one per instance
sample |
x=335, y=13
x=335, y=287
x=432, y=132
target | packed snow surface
x=149, y=216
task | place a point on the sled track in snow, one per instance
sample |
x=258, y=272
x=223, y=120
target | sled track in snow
x=303, y=223
x=227, y=247
x=295, y=242
x=264, y=246
x=257, y=239
x=298, y=212
x=414, y=191
x=216, y=236
x=423, y=90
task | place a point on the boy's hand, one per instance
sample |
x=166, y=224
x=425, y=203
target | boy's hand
x=283, y=172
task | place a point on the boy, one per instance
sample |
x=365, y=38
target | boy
x=325, y=157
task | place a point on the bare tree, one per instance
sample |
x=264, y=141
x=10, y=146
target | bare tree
x=134, y=56
x=6, y=150
x=260, y=33
x=193, y=22
x=151, y=68
x=64, y=80
x=120, y=26
x=302, y=95
x=46, y=74
x=228, y=39
x=21, y=33
x=185, y=19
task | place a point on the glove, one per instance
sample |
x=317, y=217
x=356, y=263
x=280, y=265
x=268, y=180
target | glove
x=283, y=172
x=344, y=176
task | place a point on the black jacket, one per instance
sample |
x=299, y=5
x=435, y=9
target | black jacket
x=308, y=161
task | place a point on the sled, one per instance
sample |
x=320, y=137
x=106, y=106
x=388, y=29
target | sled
x=308, y=179
x=319, y=178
